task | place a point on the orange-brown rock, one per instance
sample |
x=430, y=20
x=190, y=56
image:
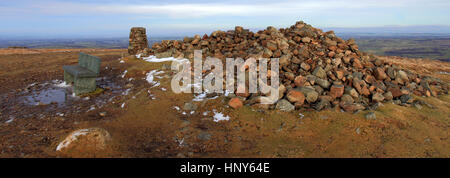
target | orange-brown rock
x=235, y=103
x=396, y=92
x=379, y=73
x=337, y=91
x=299, y=81
x=295, y=97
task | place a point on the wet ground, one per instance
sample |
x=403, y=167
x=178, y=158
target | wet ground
x=38, y=98
x=56, y=98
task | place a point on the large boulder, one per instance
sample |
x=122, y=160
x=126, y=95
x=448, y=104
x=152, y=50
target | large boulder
x=85, y=143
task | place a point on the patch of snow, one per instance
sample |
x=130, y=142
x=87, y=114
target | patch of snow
x=445, y=73
x=199, y=97
x=61, y=84
x=124, y=73
x=126, y=92
x=180, y=142
x=110, y=99
x=33, y=84
x=205, y=113
x=72, y=138
x=227, y=92
x=121, y=61
x=154, y=59
x=203, y=96
x=10, y=120
x=157, y=84
x=301, y=115
x=47, y=83
x=184, y=113
x=177, y=108
x=150, y=77
x=123, y=105
x=220, y=117
x=192, y=112
x=195, y=85
x=91, y=108
x=73, y=95
x=163, y=89
x=151, y=95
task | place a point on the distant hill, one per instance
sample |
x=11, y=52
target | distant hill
x=413, y=42
x=394, y=30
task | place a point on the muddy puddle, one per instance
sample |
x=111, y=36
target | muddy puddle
x=58, y=94
x=56, y=98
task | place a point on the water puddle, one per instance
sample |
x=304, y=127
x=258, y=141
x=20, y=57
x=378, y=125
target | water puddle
x=47, y=96
x=58, y=93
x=56, y=98
x=54, y=92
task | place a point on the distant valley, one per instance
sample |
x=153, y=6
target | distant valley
x=433, y=46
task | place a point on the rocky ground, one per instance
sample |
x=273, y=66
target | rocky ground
x=317, y=69
x=135, y=114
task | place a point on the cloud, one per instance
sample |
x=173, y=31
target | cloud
x=183, y=16
x=198, y=10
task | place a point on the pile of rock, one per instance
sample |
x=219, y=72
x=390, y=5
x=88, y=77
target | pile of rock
x=138, y=41
x=317, y=69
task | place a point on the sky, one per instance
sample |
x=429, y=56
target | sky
x=114, y=18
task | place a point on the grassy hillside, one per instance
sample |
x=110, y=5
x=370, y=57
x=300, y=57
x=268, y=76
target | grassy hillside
x=413, y=47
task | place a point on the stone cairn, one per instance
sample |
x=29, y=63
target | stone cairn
x=138, y=40
x=317, y=69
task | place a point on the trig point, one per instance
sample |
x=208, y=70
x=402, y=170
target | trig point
x=138, y=40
